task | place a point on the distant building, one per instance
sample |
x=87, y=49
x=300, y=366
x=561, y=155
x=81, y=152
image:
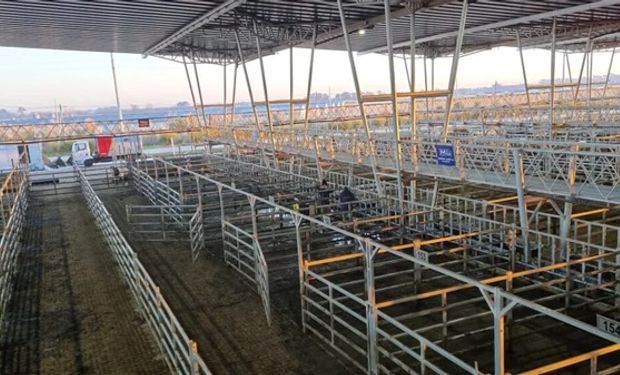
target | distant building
x=9, y=154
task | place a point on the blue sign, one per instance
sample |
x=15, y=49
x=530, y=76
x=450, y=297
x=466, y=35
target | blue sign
x=445, y=155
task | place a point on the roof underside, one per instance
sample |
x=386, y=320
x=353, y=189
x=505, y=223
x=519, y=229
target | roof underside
x=206, y=29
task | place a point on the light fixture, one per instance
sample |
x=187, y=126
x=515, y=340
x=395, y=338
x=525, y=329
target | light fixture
x=361, y=31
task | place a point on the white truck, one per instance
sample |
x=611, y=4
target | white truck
x=108, y=148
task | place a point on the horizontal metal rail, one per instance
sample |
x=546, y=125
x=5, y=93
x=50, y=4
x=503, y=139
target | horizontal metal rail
x=508, y=109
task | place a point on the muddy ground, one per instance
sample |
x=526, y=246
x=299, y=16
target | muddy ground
x=220, y=311
x=70, y=312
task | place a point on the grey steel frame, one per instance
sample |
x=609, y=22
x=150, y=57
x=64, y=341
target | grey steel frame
x=501, y=301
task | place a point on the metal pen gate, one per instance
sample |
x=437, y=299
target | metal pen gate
x=243, y=252
x=196, y=232
x=168, y=223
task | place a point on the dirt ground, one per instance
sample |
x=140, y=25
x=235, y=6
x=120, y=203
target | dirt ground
x=225, y=317
x=70, y=313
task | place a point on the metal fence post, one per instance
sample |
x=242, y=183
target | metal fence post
x=371, y=308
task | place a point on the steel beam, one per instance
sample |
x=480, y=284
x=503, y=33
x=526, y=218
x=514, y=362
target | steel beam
x=510, y=22
x=208, y=17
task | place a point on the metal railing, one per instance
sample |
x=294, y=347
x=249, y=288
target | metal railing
x=180, y=351
x=505, y=109
x=589, y=171
x=161, y=223
x=14, y=199
x=566, y=278
x=64, y=180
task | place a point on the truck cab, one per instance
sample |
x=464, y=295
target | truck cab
x=80, y=153
x=108, y=149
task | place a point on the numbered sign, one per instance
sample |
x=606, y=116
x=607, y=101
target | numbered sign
x=445, y=155
x=608, y=325
x=421, y=255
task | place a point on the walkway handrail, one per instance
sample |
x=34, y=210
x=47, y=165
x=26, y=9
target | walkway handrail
x=510, y=109
x=16, y=187
x=180, y=351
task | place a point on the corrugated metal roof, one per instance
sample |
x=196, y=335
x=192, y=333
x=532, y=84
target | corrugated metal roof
x=173, y=28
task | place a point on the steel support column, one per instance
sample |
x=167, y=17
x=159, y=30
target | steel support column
x=118, y=101
x=414, y=120
x=371, y=308
x=454, y=68
x=426, y=83
x=191, y=89
x=590, y=77
x=569, y=71
x=266, y=95
x=301, y=267
x=252, y=201
x=617, y=281
x=552, y=95
x=583, y=63
x=291, y=90
x=611, y=63
x=565, y=218
x=247, y=80
x=234, y=95
x=527, y=89
x=317, y=155
x=520, y=184
x=395, y=117
x=498, y=333
x=222, y=217
x=202, y=104
x=358, y=92
x=225, y=96
x=309, y=90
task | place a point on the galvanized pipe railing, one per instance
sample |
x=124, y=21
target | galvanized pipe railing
x=14, y=192
x=499, y=300
x=180, y=351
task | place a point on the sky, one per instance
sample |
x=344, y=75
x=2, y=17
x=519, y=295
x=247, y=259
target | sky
x=39, y=79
